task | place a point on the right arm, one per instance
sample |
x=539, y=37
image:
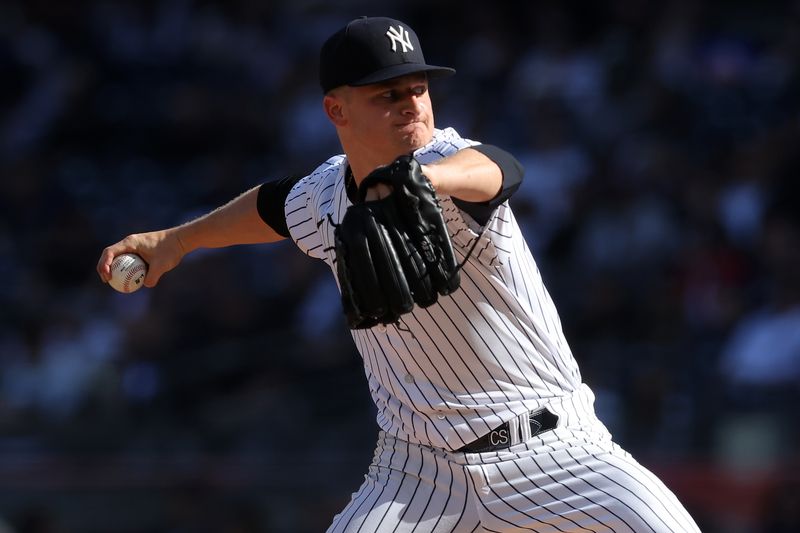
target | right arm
x=237, y=222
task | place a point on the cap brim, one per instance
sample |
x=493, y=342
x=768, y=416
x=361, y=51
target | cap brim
x=395, y=71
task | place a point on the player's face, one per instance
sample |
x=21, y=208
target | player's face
x=393, y=117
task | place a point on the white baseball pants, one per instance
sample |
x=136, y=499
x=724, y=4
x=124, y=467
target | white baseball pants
x=567, y=480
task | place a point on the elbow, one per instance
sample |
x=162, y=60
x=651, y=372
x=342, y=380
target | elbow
x=511, y=171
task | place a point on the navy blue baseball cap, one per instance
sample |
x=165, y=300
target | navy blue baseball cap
x=371, y=50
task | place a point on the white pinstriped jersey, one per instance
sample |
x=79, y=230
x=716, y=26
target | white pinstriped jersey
x=492, y=350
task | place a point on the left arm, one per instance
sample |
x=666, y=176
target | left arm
x=468, y=175
x=478, y=179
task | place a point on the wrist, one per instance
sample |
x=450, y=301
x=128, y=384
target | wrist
x=431, y=172
x=182, y=237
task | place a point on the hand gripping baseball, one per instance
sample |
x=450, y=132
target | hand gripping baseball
x=394, y=252
x=161, y=250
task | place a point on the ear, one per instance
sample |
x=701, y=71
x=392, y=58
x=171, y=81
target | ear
x=334, y=109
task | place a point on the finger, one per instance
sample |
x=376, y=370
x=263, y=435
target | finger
x=104, y=264
x=107, y=257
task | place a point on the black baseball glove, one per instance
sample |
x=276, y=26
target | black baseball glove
x=394, y=252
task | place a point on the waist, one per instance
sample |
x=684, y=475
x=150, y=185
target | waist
x=515, y=431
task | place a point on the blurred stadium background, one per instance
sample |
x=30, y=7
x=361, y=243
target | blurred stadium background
x=661, y=201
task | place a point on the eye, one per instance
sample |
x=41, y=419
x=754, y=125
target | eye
x=420, y=90
x=389, y=95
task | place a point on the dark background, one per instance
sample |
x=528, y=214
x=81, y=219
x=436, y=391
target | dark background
x=661, y=201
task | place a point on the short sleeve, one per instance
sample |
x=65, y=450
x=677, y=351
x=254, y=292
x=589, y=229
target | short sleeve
x=271, y=199
x=300, y=219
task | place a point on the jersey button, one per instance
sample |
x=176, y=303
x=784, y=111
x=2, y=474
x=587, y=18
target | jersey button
x=409, y=378
x=440, y=417
x=381, y=328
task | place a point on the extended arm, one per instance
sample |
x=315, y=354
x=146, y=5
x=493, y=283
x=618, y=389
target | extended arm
x=237, y=222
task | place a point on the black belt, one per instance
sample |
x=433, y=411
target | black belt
x=500, y=437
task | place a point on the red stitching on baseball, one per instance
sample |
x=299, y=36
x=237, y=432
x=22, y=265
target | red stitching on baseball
x=130, y=275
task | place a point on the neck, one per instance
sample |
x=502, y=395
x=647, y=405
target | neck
x=361, y=169
x=363, y=162
x=364, y=159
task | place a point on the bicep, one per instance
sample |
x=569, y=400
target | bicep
x=512, y=172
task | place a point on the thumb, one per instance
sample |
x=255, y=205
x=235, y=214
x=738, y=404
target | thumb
x=158, y=268
x=152, y=277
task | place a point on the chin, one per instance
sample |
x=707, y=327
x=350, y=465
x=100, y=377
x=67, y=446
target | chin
x=417, y=138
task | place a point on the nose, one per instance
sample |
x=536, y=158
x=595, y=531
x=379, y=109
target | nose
x=413, y=105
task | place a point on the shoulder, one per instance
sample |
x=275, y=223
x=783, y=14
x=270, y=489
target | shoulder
x=308, y=202
x=445, y=142
x=323, y=176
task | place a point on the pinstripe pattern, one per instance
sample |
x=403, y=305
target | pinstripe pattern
x=410, y=488
x=445, y=375
x=489, y=352
x=568, y=480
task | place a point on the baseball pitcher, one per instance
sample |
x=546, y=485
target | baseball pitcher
x=485, y=424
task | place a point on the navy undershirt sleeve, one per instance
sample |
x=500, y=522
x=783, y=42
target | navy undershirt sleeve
x=271, y=200
x=512, y=171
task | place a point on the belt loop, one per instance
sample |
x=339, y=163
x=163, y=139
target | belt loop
x=513, y=430
x=525, y=426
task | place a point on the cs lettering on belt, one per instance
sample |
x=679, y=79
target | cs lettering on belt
x=498, y=437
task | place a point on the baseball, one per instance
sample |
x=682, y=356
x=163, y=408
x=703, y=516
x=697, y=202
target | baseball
x=127, y=273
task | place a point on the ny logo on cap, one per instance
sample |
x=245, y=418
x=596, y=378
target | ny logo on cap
x=399, y=35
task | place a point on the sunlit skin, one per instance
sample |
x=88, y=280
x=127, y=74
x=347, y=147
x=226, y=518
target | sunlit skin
x=377, y=123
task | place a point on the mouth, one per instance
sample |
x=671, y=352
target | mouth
x=409, y=125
